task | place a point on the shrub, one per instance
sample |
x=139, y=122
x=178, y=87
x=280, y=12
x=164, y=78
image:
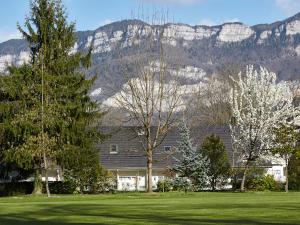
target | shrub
x=267, y=183
x=106, y=183
x=16, y=188
x=95, y=180
x=294, y=173
x=254, y=176
x=61, y=187
x=236, y=174
x=294, y=183
x=262, y=183
x=257, y=180
x=182, y=184
x=279, y=186
x=164, y=185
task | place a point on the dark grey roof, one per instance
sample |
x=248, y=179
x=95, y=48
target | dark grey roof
x=130, y=146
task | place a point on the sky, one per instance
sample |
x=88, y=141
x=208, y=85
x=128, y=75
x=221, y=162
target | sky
x=91, y=14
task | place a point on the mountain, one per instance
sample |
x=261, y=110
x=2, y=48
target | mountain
x=204, y=50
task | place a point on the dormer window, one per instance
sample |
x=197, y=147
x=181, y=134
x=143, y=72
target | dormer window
x=133, y=149
x=113, y=149
x=141, y=133
x=167, y=148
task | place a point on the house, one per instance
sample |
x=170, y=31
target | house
x=13, y=174
x=123, y=154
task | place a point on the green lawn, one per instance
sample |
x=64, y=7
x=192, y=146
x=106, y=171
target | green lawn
x=157, y=208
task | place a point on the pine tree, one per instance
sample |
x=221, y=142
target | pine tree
x=190, y=162
x=51, y=115
x=20, y=120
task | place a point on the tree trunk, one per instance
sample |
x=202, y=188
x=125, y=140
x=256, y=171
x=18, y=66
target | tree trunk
x=287, y=179
x=149, y=171
x=38, y=185
x=234, y=182
x=46, y=175
x=213, y=185
x=244, y=178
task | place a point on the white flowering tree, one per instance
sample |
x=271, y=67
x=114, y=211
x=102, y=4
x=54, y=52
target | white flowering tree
x=259, y=104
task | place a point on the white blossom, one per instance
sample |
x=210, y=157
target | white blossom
x=258, y=105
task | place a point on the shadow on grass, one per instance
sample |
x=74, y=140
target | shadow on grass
x=24, y=221
x=118, y=213
x=135, y=220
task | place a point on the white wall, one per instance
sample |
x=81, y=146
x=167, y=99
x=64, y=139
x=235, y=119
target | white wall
x=136, y=180
x=278, y=172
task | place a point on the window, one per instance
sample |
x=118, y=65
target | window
x=133, y=149
x=113, y=149
x=277, y=172
x=141, y=133
x=167, y=148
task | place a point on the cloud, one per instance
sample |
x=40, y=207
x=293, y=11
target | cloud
x=168, y=2
x=7, y=34
x=289, y=7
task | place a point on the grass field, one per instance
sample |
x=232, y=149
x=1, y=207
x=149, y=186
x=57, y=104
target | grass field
x=156, y=208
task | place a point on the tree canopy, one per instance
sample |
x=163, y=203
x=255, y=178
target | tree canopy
x=46, y=112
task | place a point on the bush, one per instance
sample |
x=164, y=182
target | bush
x=22, y=188
x=95, y=180
x=267, y=183
x=16, y=188
x=294, y=183
x=262, y=183
x=236, y=174
x=61, y=187
x=253, y=178
x=182, y=184
x=279, y=186
x=294, y=173
x=164, y=185
x=106, y=183
x=256, y=180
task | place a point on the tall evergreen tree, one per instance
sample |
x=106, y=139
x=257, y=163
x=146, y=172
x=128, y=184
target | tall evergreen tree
x=190, y=162
x=51, y=117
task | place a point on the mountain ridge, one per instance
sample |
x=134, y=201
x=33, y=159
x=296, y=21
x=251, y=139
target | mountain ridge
x=204, y=49
x=140, y=22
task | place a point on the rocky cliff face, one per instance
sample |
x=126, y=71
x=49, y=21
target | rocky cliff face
x=204, y=50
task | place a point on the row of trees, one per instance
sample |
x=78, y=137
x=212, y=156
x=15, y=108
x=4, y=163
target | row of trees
x=260, y=111
x=46, y=115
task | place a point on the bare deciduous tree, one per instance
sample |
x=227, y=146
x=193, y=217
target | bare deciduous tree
x=152, y=95
x=210, y=104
